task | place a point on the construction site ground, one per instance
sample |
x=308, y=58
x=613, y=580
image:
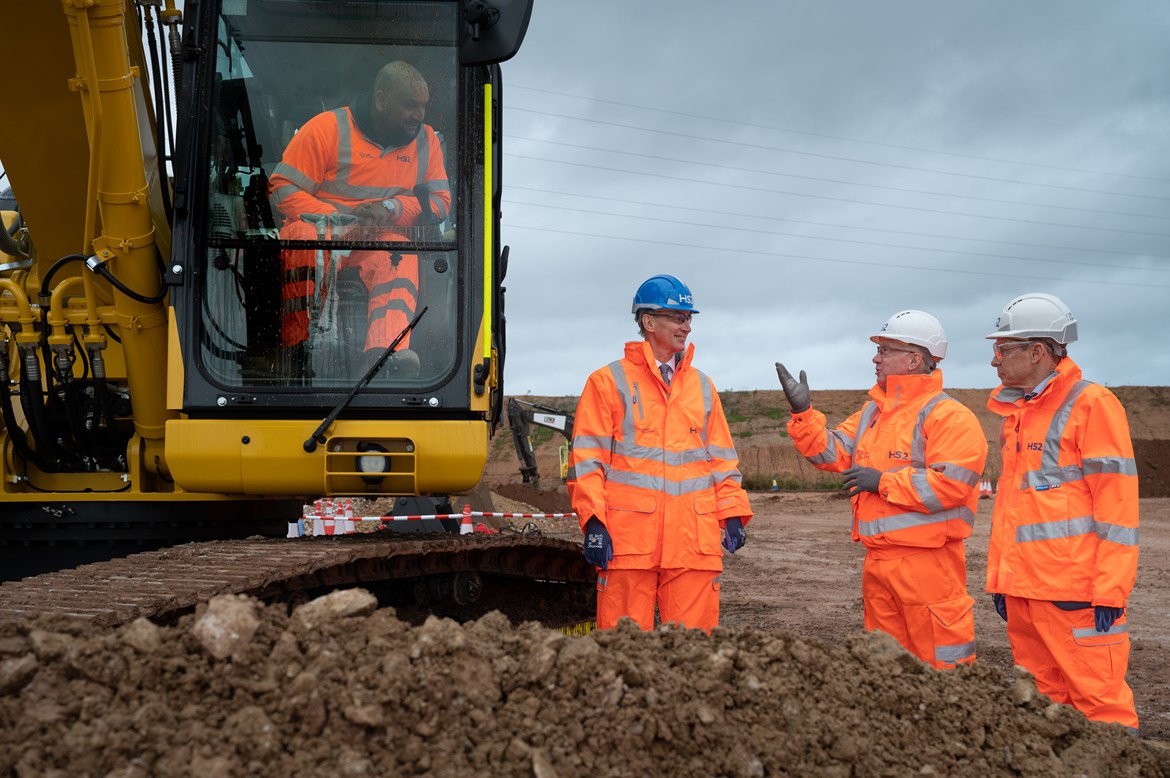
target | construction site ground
x=790, y=684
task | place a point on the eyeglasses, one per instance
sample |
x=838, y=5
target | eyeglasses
x=677, y=318
x=885, y=351
x=1006, y=348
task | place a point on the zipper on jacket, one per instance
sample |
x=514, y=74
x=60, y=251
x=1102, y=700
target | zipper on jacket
x=637, y=404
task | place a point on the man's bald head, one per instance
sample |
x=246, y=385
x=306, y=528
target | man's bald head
x=400, y=101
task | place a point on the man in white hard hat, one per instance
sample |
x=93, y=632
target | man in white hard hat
x=1064, y=534
x=912, y=459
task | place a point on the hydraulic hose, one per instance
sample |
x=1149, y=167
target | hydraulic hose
x=15, y=433
x=47, y=281
x=8, y=243
x=98, y=266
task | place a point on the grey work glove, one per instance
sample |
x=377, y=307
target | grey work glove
x=862, y=479
x=795, y=391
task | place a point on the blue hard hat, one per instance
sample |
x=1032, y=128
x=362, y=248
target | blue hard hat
x=665, y=292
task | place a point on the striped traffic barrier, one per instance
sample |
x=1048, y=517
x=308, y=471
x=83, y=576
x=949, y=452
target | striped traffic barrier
x=329, y=518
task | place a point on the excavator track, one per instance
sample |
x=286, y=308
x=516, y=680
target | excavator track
x=528, y=577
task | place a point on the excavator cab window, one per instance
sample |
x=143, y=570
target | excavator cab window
x=324, y=227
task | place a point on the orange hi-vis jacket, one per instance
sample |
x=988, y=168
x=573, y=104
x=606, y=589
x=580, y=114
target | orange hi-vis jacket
x=1065, y=525
x=658, y=468
x=330, y=165
x=930, y=449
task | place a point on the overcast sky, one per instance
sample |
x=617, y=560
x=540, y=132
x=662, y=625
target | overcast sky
x=810, y=168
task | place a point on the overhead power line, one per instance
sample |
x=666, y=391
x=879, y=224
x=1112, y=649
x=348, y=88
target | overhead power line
x=835, y=225
x=916, y=268
x=760, y=171
x=920, y=149
x=840, y=199
x=725, y=228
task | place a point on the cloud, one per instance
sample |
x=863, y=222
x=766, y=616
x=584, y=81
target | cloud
x=811, y=168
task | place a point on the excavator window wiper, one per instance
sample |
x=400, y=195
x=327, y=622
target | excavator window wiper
x=318, y=435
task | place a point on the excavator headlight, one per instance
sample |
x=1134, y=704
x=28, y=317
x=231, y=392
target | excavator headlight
x=373, y=466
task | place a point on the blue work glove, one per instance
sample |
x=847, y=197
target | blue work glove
x=598, y=543
x=1000, y=605
x=1104, y=616
x=734, y=535
x=862, y=479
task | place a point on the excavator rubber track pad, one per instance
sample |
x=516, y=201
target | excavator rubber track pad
x=162, y=585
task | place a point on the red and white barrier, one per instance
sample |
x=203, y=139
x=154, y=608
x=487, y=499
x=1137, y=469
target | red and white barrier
x=986, y=489
x=329, y=517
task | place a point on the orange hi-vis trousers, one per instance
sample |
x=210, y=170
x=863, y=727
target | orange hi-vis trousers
x=391, y=281
x=686, y=597
x=919, y=597
x=1072, y=662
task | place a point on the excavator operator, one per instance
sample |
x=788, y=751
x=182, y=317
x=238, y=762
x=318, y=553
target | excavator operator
x=367, y=170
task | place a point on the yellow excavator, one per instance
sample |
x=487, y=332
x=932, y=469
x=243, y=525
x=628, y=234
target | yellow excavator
x=151, y=397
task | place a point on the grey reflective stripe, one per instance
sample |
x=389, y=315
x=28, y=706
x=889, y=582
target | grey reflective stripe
x=918, y=478
x=899, y=521
x=296, y=177
x=723, y=475
x=592, y=441
x=1112, y=465
x=422, y=154
x=1050, y=472
x=1114, y=533
x=344, y=147
x=435, y=186
x=661, y=484
x=918, y=442
x=1088, y=632
x=722, y=453
x=362, y=192
x=1053, y=477
x=708, y=404
x=1063, y=528
x=864, y=422
x=958, y=473
x=954, y=653
x=392, y=305
x=619, y=379
x=830, y=454
x=390, y=286
x=586, y=466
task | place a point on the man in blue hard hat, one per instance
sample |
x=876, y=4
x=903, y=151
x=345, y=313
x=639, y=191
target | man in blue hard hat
x=654, y=476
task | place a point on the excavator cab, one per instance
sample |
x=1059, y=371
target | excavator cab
x=274, y=305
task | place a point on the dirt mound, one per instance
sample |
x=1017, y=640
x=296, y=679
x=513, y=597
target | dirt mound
x=544, y=500
x=1153, y=463
x=342, y=688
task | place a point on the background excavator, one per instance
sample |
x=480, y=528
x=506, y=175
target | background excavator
x=150, y=401
x=522, y=414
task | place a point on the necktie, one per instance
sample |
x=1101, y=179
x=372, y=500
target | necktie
x=666, y=371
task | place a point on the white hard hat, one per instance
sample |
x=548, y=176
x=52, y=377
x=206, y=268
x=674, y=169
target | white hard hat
x=1036, y=315
x=917, y=328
